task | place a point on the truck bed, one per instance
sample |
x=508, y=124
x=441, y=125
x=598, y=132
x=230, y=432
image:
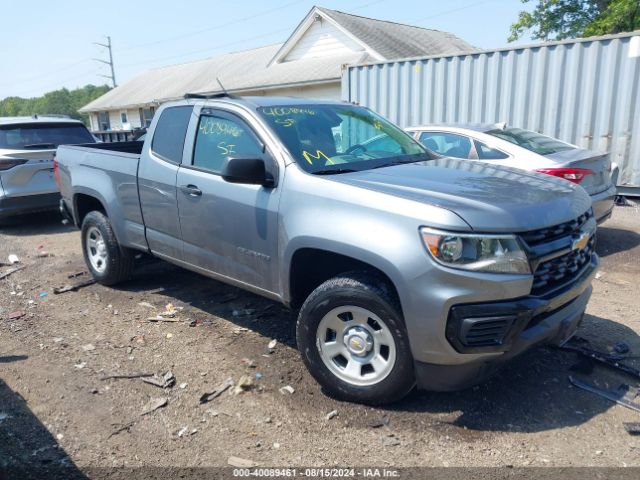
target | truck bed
x=134, y=147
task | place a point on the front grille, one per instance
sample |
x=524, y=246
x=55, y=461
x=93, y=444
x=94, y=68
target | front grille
x=561, y=270
x=544, y=235
x=556, y=272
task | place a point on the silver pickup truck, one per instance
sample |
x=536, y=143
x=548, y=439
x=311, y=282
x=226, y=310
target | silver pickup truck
x=406, y=268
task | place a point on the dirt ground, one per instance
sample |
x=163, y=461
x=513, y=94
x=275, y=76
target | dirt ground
x=56, y=409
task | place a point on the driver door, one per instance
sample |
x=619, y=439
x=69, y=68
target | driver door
x=228, y=229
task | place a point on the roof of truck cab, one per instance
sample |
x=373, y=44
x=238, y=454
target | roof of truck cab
x=38, y=119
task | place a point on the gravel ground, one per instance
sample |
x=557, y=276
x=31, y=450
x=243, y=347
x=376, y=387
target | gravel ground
x=56, y=408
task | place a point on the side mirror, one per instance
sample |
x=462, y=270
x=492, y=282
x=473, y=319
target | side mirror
x=247, y=170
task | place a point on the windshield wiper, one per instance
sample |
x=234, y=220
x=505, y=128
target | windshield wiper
x=40, y=145
x=331, y=171
x=400, y=162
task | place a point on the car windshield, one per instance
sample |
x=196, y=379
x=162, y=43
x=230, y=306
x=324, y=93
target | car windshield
x=43, y=135
x=331, y=139
x=532, y=141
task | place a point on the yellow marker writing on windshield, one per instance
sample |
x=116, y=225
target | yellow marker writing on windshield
x=308, y=156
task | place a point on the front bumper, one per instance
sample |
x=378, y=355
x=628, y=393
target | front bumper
x=530, y=321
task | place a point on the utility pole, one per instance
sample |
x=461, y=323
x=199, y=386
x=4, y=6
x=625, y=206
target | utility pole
x=110, y=62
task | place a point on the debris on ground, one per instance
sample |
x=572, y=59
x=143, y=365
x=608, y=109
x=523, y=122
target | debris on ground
x=244, y=383
x=632, y=428
x=126, y=376
x=43, y=254
x=80, y=365
x=624, y=395
x=44, y=294
x=169, y=335
x=11, y=272
x=13, y=259
x=89, y=347
x=72, y=288
x=183, y=385
x=77, y=274
x=612, y=361
x=182, y=431
x=159, y=318
x=381, y=422
x=220, y=389
x=248, y=362
x=121, y=428
x=167, y=380
x=154, y=404
x=331, y=414
x=241, y=462
x=272, y=344
x=240, y=330
x=287, y=390
x=16, y=315
x=390, y=442
x=258, y=375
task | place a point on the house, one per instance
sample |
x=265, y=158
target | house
x=308, y=64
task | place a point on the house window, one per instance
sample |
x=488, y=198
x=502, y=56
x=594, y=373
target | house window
x=123, y=118
x=146, y=115
x=103, y=121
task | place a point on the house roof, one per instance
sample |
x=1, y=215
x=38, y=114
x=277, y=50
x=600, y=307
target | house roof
x=250, y=70
x=396, y=40
x=172, y=82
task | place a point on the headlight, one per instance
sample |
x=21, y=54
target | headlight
x=479, y=253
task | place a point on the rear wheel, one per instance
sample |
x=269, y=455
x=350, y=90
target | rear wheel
x=353, y=340
x=108, y=262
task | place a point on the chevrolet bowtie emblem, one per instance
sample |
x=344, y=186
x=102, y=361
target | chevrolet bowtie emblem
x=580, y=242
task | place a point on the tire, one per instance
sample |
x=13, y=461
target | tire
x=107, y=261
x=368, y=331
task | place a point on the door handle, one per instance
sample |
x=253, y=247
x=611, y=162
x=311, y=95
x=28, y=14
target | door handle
x=191, y=190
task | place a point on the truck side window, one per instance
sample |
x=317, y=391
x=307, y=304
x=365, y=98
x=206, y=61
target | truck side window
x=170, y=132
x=219, y=138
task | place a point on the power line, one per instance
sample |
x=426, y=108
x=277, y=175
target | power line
x=215, y=27
x=110, y=62
x=447, y=12
x=218, y=47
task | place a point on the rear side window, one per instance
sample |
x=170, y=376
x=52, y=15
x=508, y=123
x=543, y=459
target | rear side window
x=532, y=141
x=487, y=153
x=222, y=137
x=447, y=144
x=170, y=132
x=43, y=135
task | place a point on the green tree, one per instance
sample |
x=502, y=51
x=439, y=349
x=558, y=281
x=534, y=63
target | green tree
x=61, y=102
x=559, y=19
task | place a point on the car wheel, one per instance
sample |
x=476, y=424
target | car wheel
x=108, y=262
x=352, y=339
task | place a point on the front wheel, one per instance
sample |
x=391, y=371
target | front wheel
x=353, y=340
x=108, y=262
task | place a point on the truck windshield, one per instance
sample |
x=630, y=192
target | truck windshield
x=331, y=139
x=43, y=135
x=532, y=141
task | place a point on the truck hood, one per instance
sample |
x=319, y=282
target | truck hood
x=489, y=198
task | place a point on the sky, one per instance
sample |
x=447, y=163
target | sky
x=47, y=45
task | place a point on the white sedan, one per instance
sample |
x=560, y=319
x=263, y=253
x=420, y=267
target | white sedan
x=527, y=150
